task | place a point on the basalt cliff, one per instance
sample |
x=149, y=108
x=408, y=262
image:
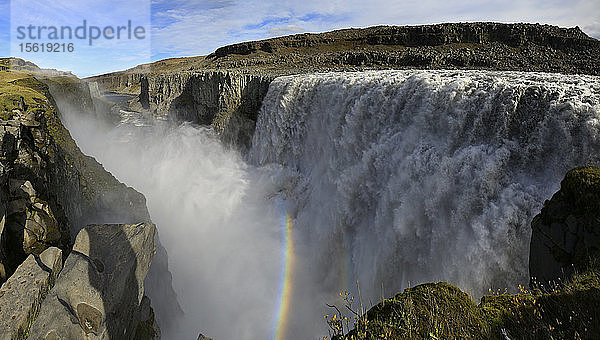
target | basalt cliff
x=50, y=191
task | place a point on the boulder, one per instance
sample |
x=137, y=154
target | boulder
x=99, y=292
x=22, y=294
x=28, y=226
x=566, y=233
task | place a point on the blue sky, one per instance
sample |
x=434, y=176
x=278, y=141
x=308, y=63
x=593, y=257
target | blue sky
x=176, y=28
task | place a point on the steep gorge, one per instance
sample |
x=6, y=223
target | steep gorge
x=390, y=178
x=50, y=191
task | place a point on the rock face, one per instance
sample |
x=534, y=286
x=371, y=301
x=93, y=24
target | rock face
x=114, y=203
x=29, y=223
x=473, y=45
x=228, y=101
x=566, y=233
x=22, y=295
x=28, y=226
x=99, y=293
x=49, y=190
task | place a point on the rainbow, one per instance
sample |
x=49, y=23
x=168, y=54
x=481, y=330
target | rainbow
x=287, y=271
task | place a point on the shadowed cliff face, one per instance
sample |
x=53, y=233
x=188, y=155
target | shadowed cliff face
x=49, y=190
x=113, y=203
x=566, y=233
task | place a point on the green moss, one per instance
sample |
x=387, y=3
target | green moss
x=442, y=311
x=582, y=187
x=568, y=312
x=13, y=86
x=431, y=310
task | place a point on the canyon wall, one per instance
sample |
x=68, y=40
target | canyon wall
x=49, y=189
x=228, y=101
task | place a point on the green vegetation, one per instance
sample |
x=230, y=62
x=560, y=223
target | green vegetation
x=84, y=174
x=574, y=209
x=582, y=187
x=13, y=86
x=442, y=311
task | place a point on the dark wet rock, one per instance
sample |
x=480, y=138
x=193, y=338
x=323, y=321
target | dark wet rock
x=100, y=291
x=22, y=295
x=566, y=233
x=28, y=226
x=147, y=328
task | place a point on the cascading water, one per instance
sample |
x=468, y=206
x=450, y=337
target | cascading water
x=223, y=237
x=426, y=175
x=388, y=178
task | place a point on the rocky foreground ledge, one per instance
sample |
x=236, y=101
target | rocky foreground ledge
x=98, y=294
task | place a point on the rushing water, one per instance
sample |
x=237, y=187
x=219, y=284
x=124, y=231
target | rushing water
x=388, y=178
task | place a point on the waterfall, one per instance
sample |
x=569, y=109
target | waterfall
x=402, y=177
x=388, y=178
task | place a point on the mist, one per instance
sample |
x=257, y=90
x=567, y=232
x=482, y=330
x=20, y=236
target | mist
x=390, y=179
x=221, y=220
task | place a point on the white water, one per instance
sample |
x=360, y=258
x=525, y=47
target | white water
x=413, y=176
x=393, y=178
x=222, y=235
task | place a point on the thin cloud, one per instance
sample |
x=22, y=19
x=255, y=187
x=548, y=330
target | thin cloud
x=192, y=27
x=290, y=29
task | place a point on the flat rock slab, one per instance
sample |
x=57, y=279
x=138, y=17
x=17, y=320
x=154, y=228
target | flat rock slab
x=22, y=294
x=99, y=291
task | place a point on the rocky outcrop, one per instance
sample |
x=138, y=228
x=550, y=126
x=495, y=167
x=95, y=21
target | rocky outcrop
x=22, y=295
x=228, y=101
x=32, y=218
x=524, y=47
x=111, y=207
x=28, y=227
x=99, y=293
x=49, y=190
x=126, y=82
x=566, y=233
x=442, y=311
